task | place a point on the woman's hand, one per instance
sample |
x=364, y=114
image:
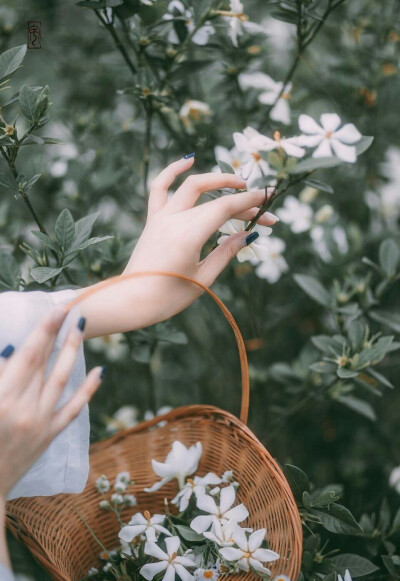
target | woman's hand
x=28, y=418
x=172, y=240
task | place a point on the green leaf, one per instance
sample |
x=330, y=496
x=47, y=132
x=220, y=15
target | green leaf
x=389, y=257
x=321, y=186
x=88, y=243
x=379, y=377
x=314, y=289
x=323, y=367
x=322, y=342
x=11, y=60
x=225, y=167
x=357, y=405
x=357, y=565
x=356, y=334
x=65, y=229
x=364, y=144
x=345, y=373
x=83, y=228
x=44, y=239
x=9, y=272
x=338, y=519
x=44, y=273
x=27, y=101
x=189, y=534
x=7, y=181
x=326, y=498
x=298, y=481
x=388, y=318
x=32, y=181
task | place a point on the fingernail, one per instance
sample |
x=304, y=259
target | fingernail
x=81, y=324
x=251, y=237
x=189, y=155
x=103, y=372
x=7, y=351
x=272, y=216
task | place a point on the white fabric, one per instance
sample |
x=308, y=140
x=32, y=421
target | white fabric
x=6, y=573
x=64, y=466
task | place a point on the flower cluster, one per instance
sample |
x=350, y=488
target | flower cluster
x=206, y=539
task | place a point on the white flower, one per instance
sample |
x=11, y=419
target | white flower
x=281, y=578
x=113, y=346
x=122, y=481
x=394, y=479
x=201, y=35
x=239, y=22
x=297, y=215
x=149, y=415
x=193, y=111
x=107, y=567
x=151, y=526
x=249, y=554
x=329, y=138
x=227, y=476
x=196, y=486
x=93, y=571
x=234, y=157
x=251, y=143
x=125, y=417
x=255, y=250
x=116, y=499
x=274, y=264
x=210, y=574
x=271, y=91
x=221, y=533
x=180, y=463
x=223, y=512
x=324, y=214
x=103, y=484
x=130, y=500
x=170, y=562
x=347, y=576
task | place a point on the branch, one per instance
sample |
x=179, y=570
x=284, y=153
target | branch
x=110, y=27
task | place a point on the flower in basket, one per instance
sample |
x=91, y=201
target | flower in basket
x=249, y=554
x=180, y=463
x=223, y=512
x=150, y=526
x=168, y=561
x=196, y=486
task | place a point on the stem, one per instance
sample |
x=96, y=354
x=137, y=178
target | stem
x=110, y=27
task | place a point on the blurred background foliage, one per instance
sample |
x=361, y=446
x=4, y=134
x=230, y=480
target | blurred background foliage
x=118, y=115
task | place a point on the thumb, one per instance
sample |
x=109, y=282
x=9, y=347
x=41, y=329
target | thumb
x=219, y=258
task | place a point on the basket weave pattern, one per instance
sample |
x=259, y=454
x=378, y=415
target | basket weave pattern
x=53, y=531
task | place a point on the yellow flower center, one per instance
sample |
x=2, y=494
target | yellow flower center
x=277, y=135
x=147, y=515
x=208, y=574
x=236, y=163
x=257, y=156
x=285, y=96
x=328, y=134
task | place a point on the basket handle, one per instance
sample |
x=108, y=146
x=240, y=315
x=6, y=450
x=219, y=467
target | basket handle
x=244, y=409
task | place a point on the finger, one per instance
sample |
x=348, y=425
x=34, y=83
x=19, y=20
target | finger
x=62, y=369
x=267, y=219
x=212, y=215
x=33, y=354
x=217, y=260
x=187, y=195
x=160, y=185
x=64, y=416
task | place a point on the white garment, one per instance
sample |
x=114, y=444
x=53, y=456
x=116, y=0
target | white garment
x=64, y=465
x=6, y=573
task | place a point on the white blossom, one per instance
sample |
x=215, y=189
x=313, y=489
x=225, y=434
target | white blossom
x=249, y=554
x=117, y=499
x=347, y=576
x=239, y=22
x=176, y=9
x=103, y=484
x=222, y=533
x=256, y=249
x=223, y=512
x=274, y=264
x=272, y=92
x=130, y=500
x=169, y=561
x=250, y=144
x=297, y=215
x=195, y=486
x=281, y=578
x=113, y=346
x=328, y=139
x=150, y=526
x=394, y=479
x=125, y=417
x=233, y=157
x=122, y=481
x=210, y=574
x=179, y=463
x=193, y=112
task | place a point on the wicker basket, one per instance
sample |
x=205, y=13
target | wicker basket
x=54, y=533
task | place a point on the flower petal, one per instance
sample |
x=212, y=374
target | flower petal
x=347, y=153
x=227, y=498
x=207, y=503
x=157, y=485
x=201, y=523
x=183, y=573
x=173, y=544
x=231, y=554
x=185, y=561
x=238, y=513
x=210, y=477
x=324, y=149
x=265, y=555
x=258, y=566
x=150, y=570
x=138, y=519
x=246, y=253
x=256, y=539
x=130, y=532
x=239, y=536
x=154, y=550
x=241, y=142
x=330, y=121
x=348, y=134
x=281, y=111
x=308, y=125
x=170, y=574
x=243, y=564
x=291, y=148
x=161, y=529
x=163, y=470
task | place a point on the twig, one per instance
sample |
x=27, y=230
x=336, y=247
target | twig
x=110, y=27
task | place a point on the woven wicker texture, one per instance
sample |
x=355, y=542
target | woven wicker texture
x=53, y=531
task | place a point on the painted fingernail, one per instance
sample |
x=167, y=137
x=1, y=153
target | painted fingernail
x=7, y=351
x=251, y=237
x=271, y=216
x=189, y=155
x=81, y=324
x=103, y=372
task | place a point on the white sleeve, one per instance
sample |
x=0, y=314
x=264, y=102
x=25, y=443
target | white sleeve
x=5, y=573
x=64, y=466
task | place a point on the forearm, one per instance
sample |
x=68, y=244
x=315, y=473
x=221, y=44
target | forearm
x=4, y=555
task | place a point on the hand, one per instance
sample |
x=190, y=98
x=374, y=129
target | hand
x=172, y=240
x=28, y=418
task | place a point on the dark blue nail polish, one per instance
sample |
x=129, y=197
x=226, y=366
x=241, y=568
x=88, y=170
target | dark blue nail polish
x=251, y=237
x=7, y=351
x=189, y=155
x=81, y=324
x=103, y=372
